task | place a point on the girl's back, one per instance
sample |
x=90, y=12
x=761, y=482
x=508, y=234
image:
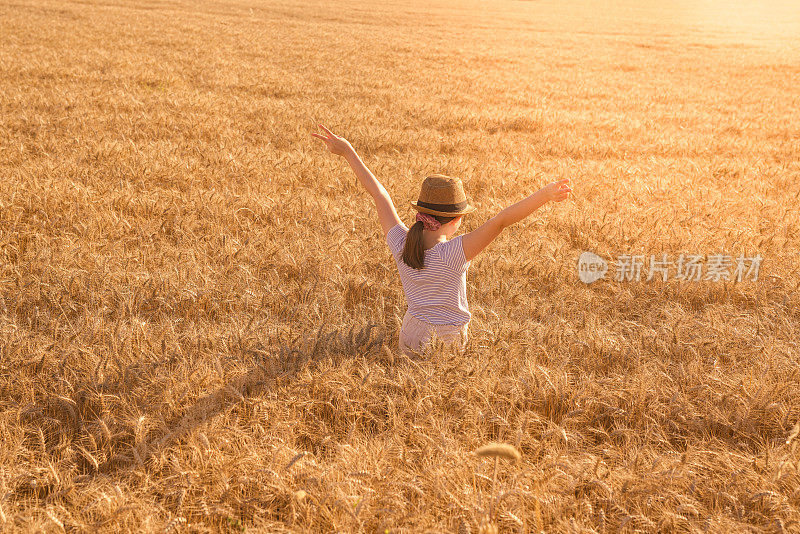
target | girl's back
x=437, y=293
x=436, y=287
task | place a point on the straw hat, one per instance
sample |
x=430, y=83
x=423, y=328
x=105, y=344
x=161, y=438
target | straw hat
x=442, y=195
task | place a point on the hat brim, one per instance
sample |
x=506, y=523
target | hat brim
x=469, y=209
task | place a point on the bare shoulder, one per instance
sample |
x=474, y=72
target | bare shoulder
x=386, y=212
x=477, y=240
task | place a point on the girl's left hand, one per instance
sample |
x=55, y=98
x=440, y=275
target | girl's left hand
x=558, y=191
x=337, y=145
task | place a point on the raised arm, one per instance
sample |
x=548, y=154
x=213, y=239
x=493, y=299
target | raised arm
x=475, y=241
x=383, y=202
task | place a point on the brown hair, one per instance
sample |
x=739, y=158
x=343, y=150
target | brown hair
x=413, y=251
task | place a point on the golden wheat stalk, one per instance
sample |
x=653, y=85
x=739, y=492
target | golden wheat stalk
x=793, y=434
x=502, y=450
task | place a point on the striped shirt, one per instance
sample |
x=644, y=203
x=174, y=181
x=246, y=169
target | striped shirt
x=437, y=293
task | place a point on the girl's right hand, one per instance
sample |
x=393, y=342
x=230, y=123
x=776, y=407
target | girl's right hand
x=337, y=145
x=559, y=190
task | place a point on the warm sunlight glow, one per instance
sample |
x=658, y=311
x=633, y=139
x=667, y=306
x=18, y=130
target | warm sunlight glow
x=230, y=231
x=768, y=22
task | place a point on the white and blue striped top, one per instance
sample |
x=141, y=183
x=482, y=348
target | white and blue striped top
x=437, y=293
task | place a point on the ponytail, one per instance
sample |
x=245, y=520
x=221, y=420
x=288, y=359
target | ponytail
x=414, y=251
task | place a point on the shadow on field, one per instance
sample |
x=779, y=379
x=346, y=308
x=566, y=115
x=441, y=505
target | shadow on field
x=270, y=366
x=126, y=422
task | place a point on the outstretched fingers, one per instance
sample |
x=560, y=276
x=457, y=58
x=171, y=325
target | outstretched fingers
x=330, y=133
x=563, y=189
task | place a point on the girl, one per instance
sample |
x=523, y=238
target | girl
x=432, y=266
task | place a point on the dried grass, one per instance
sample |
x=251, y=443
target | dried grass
x=198, y=313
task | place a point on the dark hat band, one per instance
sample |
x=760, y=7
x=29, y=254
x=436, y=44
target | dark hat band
x=458, y=206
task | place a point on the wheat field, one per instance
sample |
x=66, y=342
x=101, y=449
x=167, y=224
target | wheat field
x=199, y=312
